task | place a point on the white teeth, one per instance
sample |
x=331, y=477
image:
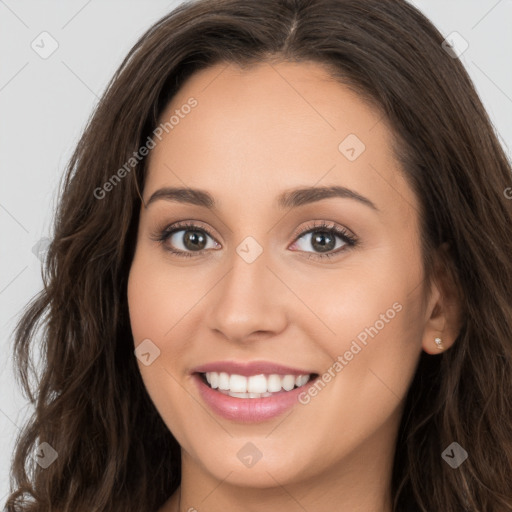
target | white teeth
x=238, y=384
x=274, y=383
x=223, y=380
x=245, y=395
x=288, y=382
x=300, y=380
x=255, y=386
x=214, y=380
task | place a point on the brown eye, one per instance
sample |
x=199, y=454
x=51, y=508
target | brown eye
x=191, y=240
x=323, y=238
x=186, y=239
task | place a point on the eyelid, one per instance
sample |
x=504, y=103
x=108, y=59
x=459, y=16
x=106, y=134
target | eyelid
x=327, y=226
x=192, y=225
x=162, y=235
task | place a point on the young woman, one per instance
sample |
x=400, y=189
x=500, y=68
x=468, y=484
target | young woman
x=280, y=277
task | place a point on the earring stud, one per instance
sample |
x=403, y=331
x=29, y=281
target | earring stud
x=439, y=343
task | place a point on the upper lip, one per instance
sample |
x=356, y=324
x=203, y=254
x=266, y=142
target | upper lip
x=249, y=368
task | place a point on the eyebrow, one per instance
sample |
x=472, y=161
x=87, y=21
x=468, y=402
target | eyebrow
x=288, y=199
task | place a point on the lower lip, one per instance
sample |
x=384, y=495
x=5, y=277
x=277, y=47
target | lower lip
x=248, y=410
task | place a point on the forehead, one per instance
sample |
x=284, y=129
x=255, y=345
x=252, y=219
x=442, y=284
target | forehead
x=274, y=126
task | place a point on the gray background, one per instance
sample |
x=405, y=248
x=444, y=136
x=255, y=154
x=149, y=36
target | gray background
x=45, y=103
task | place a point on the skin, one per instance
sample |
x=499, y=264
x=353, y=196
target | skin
x=255, y=133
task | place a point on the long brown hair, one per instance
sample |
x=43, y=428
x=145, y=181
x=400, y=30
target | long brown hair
x=114, y=451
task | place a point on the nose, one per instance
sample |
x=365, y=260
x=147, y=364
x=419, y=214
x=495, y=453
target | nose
x=248, y=301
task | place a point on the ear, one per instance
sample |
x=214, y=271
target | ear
x=443, y=314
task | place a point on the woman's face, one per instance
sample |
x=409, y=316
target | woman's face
x=254, y=283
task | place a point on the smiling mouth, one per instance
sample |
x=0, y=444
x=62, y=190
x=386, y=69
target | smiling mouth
x=254, y=386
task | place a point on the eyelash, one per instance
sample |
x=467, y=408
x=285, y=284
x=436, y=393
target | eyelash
x=349, y=239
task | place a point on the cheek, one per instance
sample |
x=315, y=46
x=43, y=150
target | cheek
x=373, y=301
x=368, y=326
x=152, y=306
x=156, y=298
